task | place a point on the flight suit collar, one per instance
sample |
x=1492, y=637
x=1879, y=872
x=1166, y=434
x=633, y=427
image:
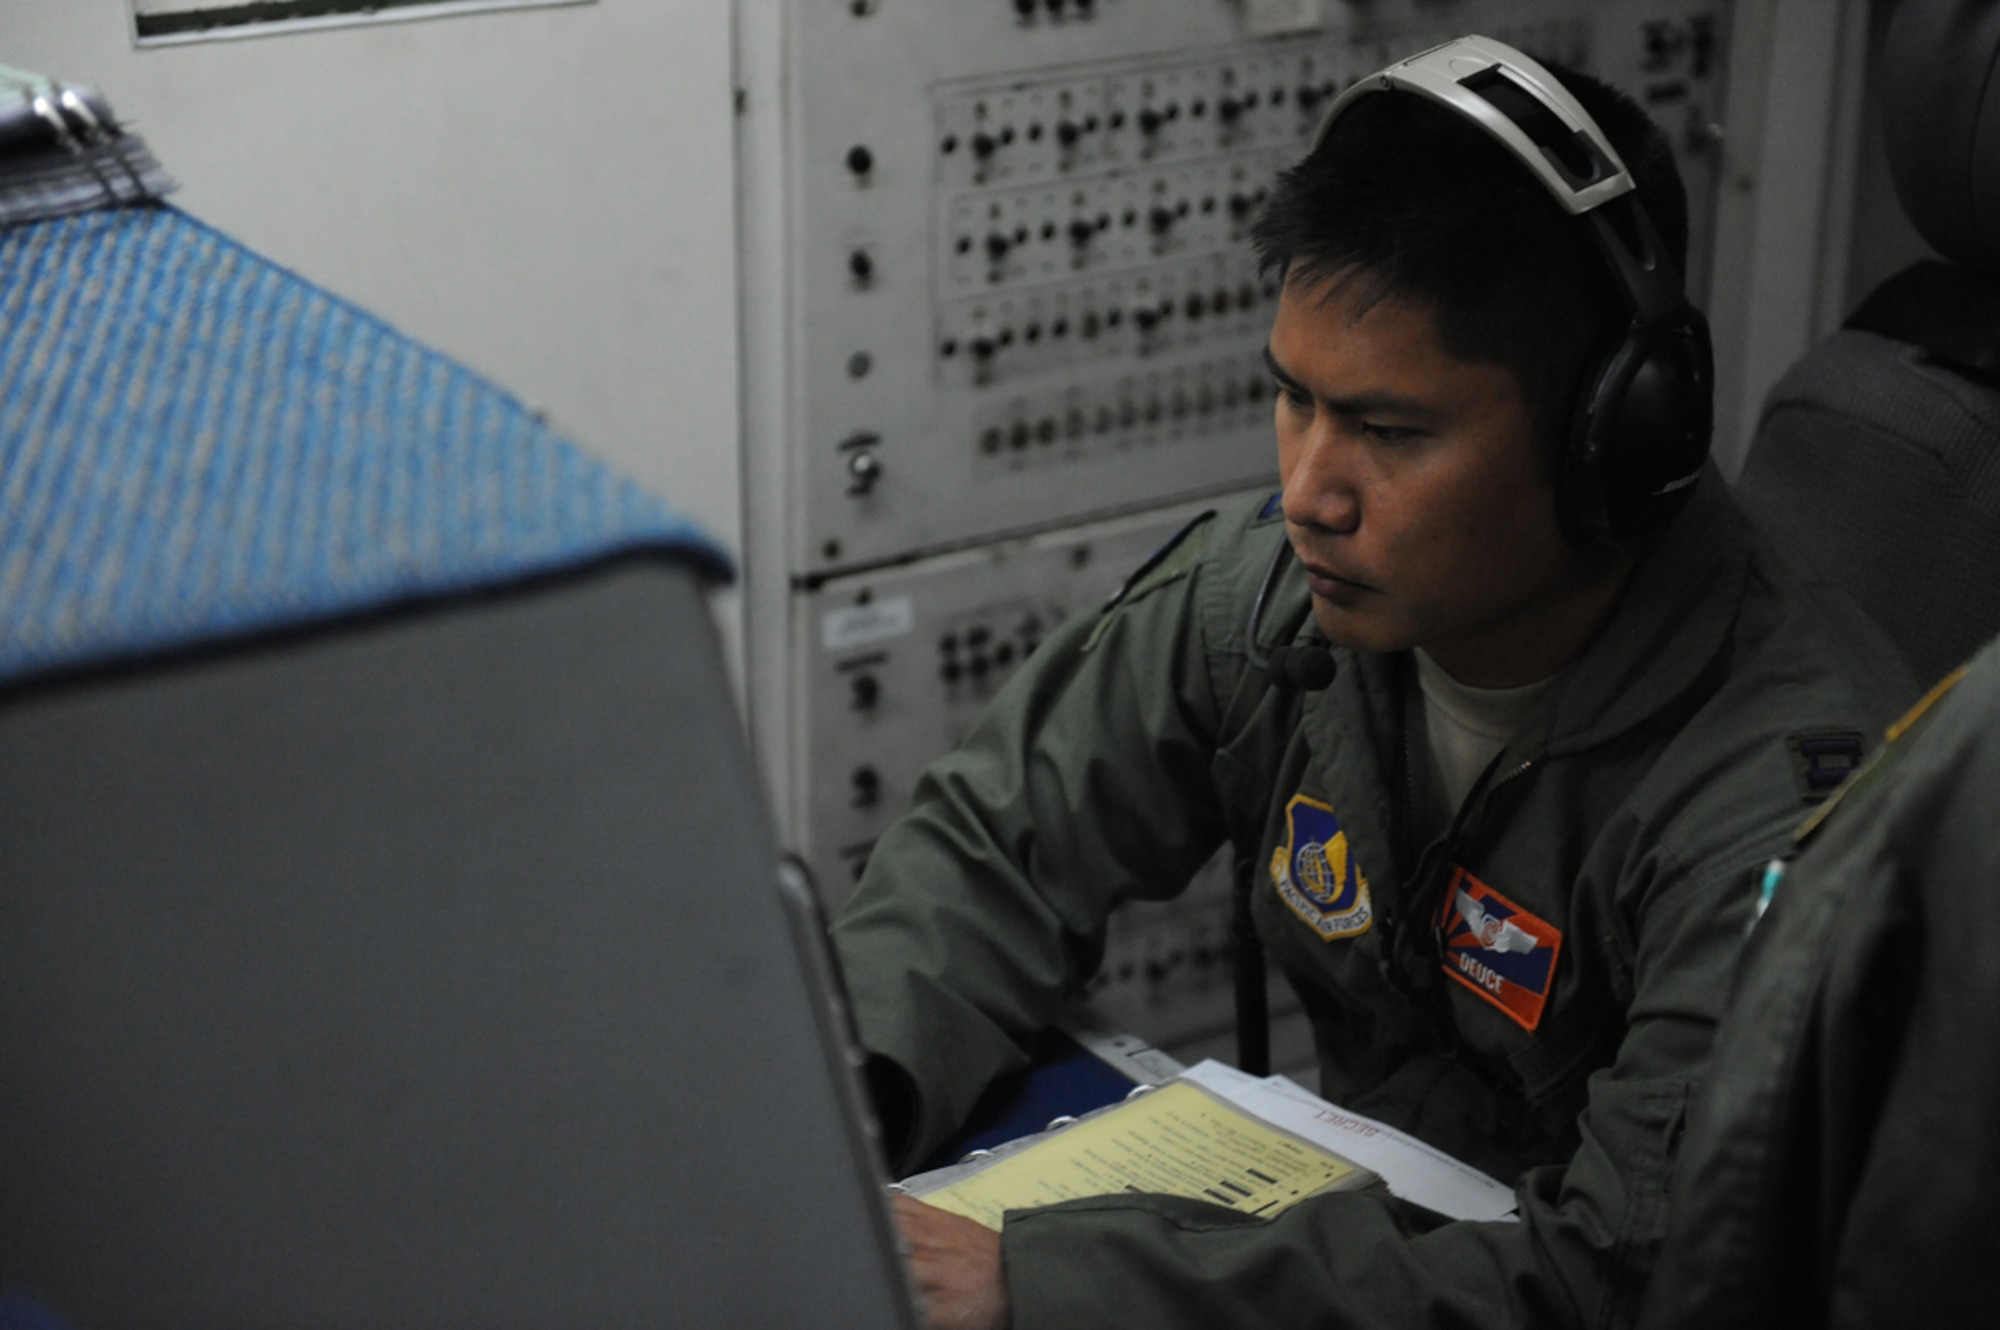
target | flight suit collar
x=1662, y=638
x=1666, y=632
x=1664, y=635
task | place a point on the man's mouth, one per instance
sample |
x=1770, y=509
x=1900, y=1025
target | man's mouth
x=1327, y=583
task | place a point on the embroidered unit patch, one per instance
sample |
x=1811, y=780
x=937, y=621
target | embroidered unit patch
x=1317, y=875
x=1497, y=949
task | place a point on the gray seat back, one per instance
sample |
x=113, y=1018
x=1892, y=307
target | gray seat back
x=1879, y=465
x=1877, y=458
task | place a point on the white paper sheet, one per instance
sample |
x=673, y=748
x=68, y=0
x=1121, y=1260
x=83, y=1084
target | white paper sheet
x=1412, y=1170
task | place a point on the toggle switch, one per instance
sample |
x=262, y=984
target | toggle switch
x=866, y=691
x=864, y=469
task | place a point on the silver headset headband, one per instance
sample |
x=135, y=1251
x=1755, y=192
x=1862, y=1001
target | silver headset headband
x=1569, y=153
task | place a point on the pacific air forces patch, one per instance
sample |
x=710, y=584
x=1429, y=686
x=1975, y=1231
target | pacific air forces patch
x=1497, y=949
x=1316, y=873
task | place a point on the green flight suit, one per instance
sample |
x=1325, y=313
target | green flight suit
x=1840, y=1167
x=1623, y=832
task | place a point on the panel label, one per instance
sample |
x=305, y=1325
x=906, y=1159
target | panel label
x=877, y=621
x=1265, y=18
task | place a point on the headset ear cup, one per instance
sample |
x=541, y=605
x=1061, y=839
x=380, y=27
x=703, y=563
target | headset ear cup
x=1580, y=504
x=1641, y=434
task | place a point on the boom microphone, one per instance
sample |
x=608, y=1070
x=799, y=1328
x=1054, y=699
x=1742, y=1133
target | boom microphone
x=1302, y=666
x=1306, y=667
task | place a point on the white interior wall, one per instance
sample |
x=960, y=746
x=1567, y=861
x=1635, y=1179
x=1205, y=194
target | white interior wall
x=545, y=194
x=1785, y=210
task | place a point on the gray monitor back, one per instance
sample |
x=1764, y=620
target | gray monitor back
x=427, y=970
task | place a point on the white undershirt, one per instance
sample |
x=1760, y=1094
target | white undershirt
x=1466, y=728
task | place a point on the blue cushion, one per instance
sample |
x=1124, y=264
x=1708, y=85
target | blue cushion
x=197, y=445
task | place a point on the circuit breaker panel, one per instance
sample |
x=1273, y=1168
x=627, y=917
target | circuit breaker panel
x=1018, y=291
x=895, y=665
x=1004, y=326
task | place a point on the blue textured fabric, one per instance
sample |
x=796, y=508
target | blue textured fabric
x=197, y=445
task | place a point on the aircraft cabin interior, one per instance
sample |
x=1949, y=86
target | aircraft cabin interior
x=653, y=652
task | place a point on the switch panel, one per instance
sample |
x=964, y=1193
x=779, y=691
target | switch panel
x=899, y=663
x=1012, y=233
x=1168, y=977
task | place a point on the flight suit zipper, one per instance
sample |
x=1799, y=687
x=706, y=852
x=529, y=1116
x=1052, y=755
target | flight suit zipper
x=1483, y=790
x=1418, y=967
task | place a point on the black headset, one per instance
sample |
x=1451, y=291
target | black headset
x=1639, y=430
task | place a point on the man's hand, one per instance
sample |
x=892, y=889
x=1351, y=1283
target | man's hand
x=956, y=1265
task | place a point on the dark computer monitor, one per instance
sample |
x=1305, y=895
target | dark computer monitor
x=423, y=970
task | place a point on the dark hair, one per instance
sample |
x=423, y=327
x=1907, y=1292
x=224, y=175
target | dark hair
x=1412, y=201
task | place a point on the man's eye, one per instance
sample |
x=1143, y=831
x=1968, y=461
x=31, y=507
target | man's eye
x=1387, y=433
x=1296, y=398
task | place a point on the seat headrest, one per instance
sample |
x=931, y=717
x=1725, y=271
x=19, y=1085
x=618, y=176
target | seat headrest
x=1941, y=114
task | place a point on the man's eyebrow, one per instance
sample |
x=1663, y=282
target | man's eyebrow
x=1361, y=405
x=1278, y=371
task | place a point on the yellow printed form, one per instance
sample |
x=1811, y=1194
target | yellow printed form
x=1179, y=1140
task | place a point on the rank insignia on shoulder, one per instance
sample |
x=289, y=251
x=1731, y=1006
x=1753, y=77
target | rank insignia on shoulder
x=1172, y=560
x=1885, y=755
x=1273, y=509
x=1497, y=949
x=1822, y=759
x=1316, y=874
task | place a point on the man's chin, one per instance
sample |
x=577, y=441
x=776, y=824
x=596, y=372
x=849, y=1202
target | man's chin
x=1358, y=633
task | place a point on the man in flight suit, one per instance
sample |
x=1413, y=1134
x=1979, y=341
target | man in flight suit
x=1506, y=858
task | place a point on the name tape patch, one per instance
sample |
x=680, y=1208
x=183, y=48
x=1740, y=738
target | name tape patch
x=1316, y=873
x=1497, y=949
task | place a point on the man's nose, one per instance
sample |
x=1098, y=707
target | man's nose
x=1321, y=490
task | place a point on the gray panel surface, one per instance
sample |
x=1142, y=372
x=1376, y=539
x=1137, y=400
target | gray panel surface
x=424, y=972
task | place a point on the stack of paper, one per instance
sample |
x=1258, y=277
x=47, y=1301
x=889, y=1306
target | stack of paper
x=1213, y=1134
x=1409, y=1168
